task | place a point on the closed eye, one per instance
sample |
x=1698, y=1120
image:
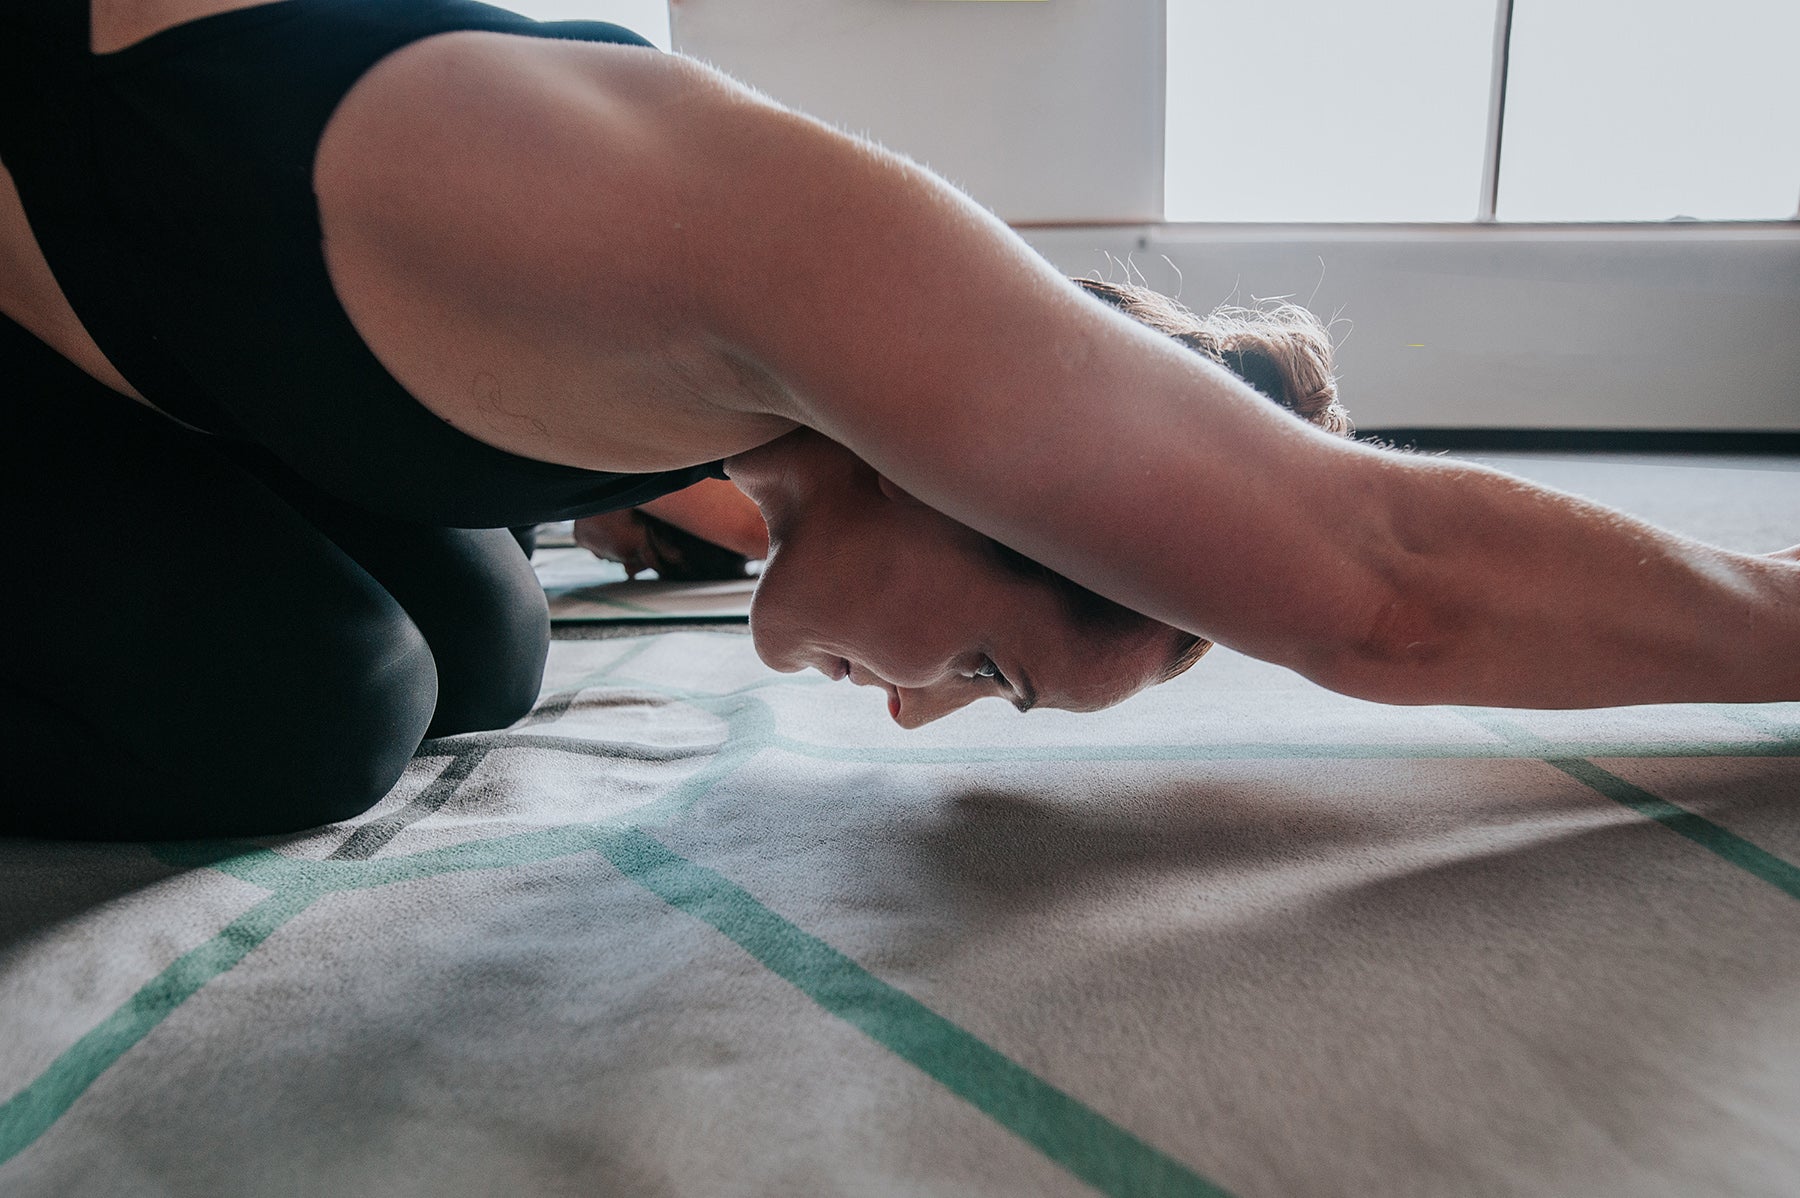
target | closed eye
x=1007, y=691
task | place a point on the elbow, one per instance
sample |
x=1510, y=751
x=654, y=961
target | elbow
x=1401, y=655
x=1438, y=593
x=1405, y=637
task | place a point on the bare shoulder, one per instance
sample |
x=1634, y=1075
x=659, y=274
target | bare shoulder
x=115, y=24
x=499, y=227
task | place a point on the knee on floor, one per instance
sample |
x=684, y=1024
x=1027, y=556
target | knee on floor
x=335, y=743
x=490, y=677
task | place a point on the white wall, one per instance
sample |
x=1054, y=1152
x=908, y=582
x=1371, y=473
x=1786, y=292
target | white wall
x=1049, y=111
x=1688, y=326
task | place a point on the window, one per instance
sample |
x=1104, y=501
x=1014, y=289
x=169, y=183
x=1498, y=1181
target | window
x=1651, y=110
x=648, y=18
x=1615, y=110
x=1318, y=110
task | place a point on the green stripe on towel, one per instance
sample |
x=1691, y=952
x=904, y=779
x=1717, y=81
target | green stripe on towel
x=1084, y=1142
x=1702, y=831
x=1070, y=1134
x=1725, y=844
x=29, y=1113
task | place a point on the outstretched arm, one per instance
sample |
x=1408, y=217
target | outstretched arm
x=910, y=325
x=851, y=291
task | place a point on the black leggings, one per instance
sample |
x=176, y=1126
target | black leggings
x=203, y=644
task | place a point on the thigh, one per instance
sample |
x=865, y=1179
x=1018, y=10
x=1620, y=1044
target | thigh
x=189, y=655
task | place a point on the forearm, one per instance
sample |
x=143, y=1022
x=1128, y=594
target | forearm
x=1505, y=593
x=715, y=510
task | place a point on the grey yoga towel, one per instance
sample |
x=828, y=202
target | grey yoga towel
x=694, y=928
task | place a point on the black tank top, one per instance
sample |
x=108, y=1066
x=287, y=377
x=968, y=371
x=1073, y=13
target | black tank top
x=169, y=185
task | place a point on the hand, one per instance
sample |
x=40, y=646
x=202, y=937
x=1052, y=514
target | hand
x=640, y=541
x=716, y=512
x=710, y=530
x=619, y=537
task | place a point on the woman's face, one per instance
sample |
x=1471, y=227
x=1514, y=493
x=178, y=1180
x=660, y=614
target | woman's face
x=863, y=581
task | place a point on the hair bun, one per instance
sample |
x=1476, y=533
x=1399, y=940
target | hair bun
x=1280, y=349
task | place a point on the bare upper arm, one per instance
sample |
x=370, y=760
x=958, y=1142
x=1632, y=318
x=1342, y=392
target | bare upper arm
x=497, y=227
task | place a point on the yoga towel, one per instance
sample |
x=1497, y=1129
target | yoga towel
x=696, y=928
x=693, y=928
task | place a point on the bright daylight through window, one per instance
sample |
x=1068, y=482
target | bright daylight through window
x=1616, y=110
x=1652, y=110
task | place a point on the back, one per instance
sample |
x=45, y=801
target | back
x=172, y=218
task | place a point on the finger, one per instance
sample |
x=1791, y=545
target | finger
x=667, y=558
